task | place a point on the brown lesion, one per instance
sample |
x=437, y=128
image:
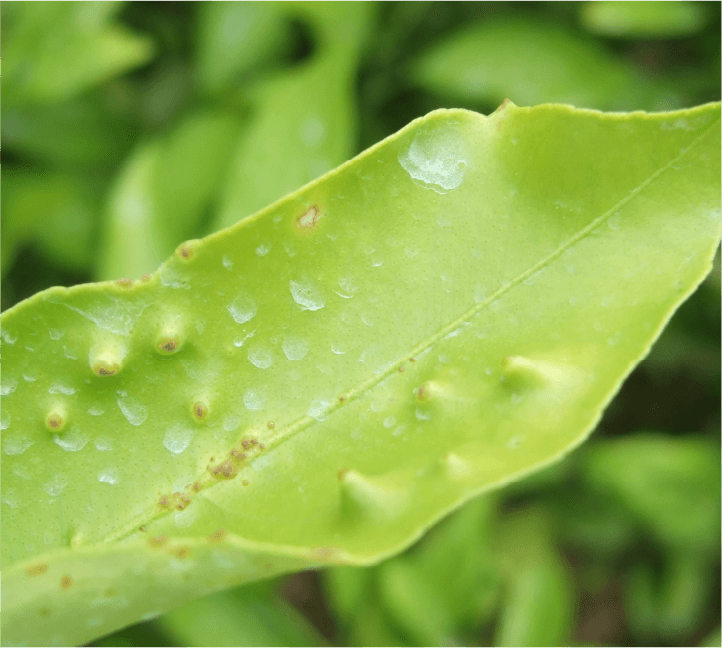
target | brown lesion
x=217, y=536
x=36, y=570
x=168, y=345
x=182, y=552
x=226, y=470
x=341, y=474
x=103, y=370
x=307, y=221
x=44, y=612
x=200, y=411
x=157, y=541
x=54, y=421
x=124, y=282
x=65, y=582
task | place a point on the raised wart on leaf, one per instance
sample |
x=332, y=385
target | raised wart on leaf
x=306, y=222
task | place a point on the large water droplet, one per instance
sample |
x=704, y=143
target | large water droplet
x=15, y=444
x=263, y=249
x=104, y=444
x=5, y=420
x=230, y=423
x=55, y=486
x=177, y=438
x=95, y=410
x=109, y=475
x=294, y=348
x=436, y=158
x=61, y=389
x=73, y=441
x=307, y=295
x=10, y=497
x=260, y=356
x=253, y=400
x=318, y=408
x=8, y=386
x=243, y=308
x=133, y=410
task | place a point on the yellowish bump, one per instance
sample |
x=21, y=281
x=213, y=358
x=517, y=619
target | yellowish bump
x=367, y=496
x=56, y=420
x=106, y=359
x=186, y=250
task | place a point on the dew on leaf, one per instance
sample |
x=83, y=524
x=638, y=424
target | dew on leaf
x=294, y=348
x=227, y=263
x=436, y=159
x=61, y=389
x=177, y=438
x=263, y=249
x=103, y=444
x=230, y=423
x=253, y=400
x=307, y=295
x=8, y=386
x=109, y=475
x=73, y=441
x=15, y=444
x=243, y=308
x=134, y=411
x=55, y=486
x=260, y=356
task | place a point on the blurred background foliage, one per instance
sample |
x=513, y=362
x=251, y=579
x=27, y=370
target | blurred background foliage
x=129, y=128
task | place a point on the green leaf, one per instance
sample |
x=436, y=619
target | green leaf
x=643, y=19
x=550, y=63
x=55, y=50
x=320, y=383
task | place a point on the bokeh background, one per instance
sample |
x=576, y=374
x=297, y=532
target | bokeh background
x=130, y=127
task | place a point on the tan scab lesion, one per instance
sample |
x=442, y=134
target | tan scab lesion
x=157, y=541
x=182, y=552
x=217, y=536
x=163, y=501
x=103, y=370
x=66, y=581
x=36, y=570
x=55, y=421
x=307, y=221
x=125, y=283
x=199, y=410
x=226, y=470
x=168, y=345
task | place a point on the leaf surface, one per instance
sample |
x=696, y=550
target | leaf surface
x=321, y=382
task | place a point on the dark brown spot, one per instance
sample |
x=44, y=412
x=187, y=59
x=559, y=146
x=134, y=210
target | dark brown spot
x=44, y=612
x=217, y=535
x=246, y=444
x=163, y=501
x=237, y=454
x=227, y=469
x=200, y=411
x=185, y=251
x=66, y=582
x=55, y=421
x=102, y=370
x=196, y=486
x=142, y=528
x=271, y=425
x=168, y=345
x=412, y=359
x=157, y=541
x=36, y=570
x=342, y=398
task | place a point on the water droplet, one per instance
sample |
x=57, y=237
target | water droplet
x=5, y=420
x=15, y=444
x=8, y=337
x=261, y=357
x=349, y=286
x=436, y=158
x=514, y=442
x=227, y=263
x=318, y=408
x=73, y=441
x=294, y=348
x=10, y=497
x=95, y=411
x=20, y=470
x=61, y=389
x=389, y=421
x=422, y=415
x=377, y=263
x=56, y=334
x=399, y=430
x=29, y=377
x=55, y=486
x=177, y=438
x=243, y=308
x=239, y=342
x=479, y=293
x=230, y=423
x=8, y=386
x=307, y=295
x=312, y=131
x=253, y=400
x=336, y=348
x=109, y=475
x=133, y=410
x=104, y=444
x=263, y=249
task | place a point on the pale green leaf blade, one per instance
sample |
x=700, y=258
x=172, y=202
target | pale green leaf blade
x=320, y=383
